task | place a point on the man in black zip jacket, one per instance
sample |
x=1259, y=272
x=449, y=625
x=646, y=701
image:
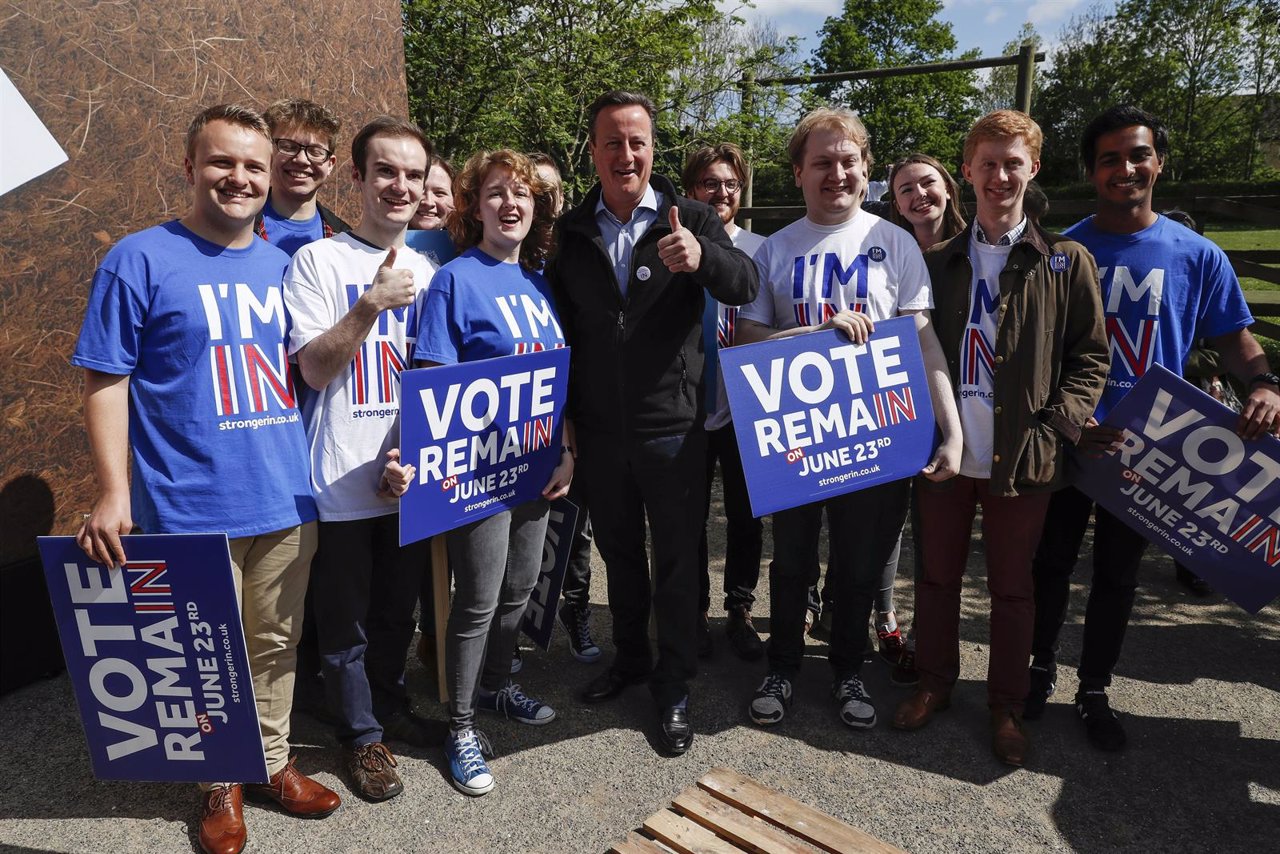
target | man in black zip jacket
x=632, y=264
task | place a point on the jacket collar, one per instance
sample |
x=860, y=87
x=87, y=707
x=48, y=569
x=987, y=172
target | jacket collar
x=582, y=217
x=1033, y=236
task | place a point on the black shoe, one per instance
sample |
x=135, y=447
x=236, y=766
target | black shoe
x=1193, y=582
x=705, y=647
x=1100, y=722
x=1043, y=681
x=410, y=729
x=577, y=623
x=674, y=731
x=608, y=685
x=743, y=638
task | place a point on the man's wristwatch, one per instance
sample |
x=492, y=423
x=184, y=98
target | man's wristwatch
x=1266, y=377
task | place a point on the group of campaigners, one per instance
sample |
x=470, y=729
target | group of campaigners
x=196, y=328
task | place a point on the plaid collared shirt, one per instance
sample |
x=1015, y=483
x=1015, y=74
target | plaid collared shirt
x=1011, y=237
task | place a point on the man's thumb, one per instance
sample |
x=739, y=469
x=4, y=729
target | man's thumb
x=390, y=260
x=675, y=218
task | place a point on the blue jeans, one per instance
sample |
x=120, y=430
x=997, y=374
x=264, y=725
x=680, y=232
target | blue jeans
x=364, y=586
x=630, y=480
x=496, y=562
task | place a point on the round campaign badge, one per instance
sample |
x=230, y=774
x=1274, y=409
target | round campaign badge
x=1058, y=262
x=876, y=253
x=643, y=274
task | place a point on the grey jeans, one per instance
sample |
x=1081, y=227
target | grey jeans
x=496, y=562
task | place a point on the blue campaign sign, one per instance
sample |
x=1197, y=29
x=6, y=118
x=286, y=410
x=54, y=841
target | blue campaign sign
x=1185, y=481
x=157, y=658
x=818, y=416
x=540, y=613
x=484, y=436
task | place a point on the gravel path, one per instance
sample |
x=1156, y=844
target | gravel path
x=1199, y=686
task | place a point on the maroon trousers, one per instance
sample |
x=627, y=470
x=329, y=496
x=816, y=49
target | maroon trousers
x=1010, y=533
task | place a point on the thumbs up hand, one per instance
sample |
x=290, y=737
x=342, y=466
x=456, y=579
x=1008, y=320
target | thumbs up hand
x=391, y=288
x=680, y=250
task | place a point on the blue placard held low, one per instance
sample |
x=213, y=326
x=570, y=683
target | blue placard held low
x=1187, y=483
x=156, y=655
x=540, y=614
x=817, y=415
x=484, y=436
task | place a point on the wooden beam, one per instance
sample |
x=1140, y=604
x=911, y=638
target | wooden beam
x=440, y=603
x=1255, y=271
x=825, y=831
x=1256, y=214
x=685, y=837
x=751, y=834
x=899, y=71
x=637, y=844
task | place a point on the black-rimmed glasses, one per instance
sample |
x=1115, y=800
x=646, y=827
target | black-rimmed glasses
x=316, y=153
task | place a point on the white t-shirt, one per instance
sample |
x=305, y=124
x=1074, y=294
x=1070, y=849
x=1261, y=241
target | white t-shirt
x=349, y=422
x=810, y=272
x=726, y=324
x=977, y=358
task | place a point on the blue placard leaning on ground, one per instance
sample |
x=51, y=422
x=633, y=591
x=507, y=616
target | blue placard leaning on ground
x=157, y=658
x=1185, y=481
x=484, y=436
x=817, y=415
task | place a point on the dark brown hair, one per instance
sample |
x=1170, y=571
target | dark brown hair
x=709, y=154
x=386, y=126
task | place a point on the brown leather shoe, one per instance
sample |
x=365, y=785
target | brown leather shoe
x=1008, y=738
x=222, y=820
x=372, y=770
x=918, y=709
x=297, y=793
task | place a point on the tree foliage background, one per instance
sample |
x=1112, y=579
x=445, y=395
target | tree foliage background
x=490, y=73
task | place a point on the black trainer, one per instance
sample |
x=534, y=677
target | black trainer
x=577, y=624
x=1101, y=723
x=1044, y=679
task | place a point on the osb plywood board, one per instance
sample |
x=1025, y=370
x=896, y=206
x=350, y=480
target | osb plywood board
x=116, y=83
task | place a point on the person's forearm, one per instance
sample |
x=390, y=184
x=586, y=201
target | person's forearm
x=945, y=410
x=106, y=420
x=328, y=354
x=750, y=331
x=1243, y=355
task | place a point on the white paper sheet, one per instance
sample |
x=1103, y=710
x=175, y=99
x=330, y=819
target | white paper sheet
x=27, y=149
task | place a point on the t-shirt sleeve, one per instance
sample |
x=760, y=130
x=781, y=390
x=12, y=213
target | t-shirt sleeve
x=310, y=309
x=1222, y=309
x=760, y=309
x=915, y=291
x=111, y=335
x=439, y=337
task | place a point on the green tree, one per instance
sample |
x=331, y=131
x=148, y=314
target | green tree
x=1000, y=86
x=903, y=114
x=488, y=73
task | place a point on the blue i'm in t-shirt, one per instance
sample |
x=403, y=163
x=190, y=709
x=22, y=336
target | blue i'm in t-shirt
x=1162, y=288
x=480, y=308
x=217, y=441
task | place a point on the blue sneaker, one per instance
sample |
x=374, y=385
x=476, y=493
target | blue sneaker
x=470, y=774
x=512, y=703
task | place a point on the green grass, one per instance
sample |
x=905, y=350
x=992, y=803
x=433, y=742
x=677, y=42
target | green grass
x=1244, y=238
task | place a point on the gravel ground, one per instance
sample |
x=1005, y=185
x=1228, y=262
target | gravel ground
x=1199, y=686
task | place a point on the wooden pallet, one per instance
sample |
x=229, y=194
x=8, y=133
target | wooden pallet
x=727, y=813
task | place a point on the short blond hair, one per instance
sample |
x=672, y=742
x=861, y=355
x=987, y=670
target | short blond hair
x=1004, y=124
x=829, y=118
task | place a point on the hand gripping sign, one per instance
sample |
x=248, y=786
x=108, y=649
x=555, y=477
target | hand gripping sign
x=1185, y=481
x=157, y=659
x=484, y=436
x=817, y=415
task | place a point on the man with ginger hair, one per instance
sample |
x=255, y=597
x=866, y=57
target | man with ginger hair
x=1020, y=320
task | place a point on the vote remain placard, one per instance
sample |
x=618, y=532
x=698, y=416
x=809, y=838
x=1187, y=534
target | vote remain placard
x=817, y=416
x=157, y=659
x=484, y=436
x=1184, y=480
x=540, y=614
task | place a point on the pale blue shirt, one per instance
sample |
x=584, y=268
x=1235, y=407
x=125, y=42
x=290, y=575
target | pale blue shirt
x=620, y=237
